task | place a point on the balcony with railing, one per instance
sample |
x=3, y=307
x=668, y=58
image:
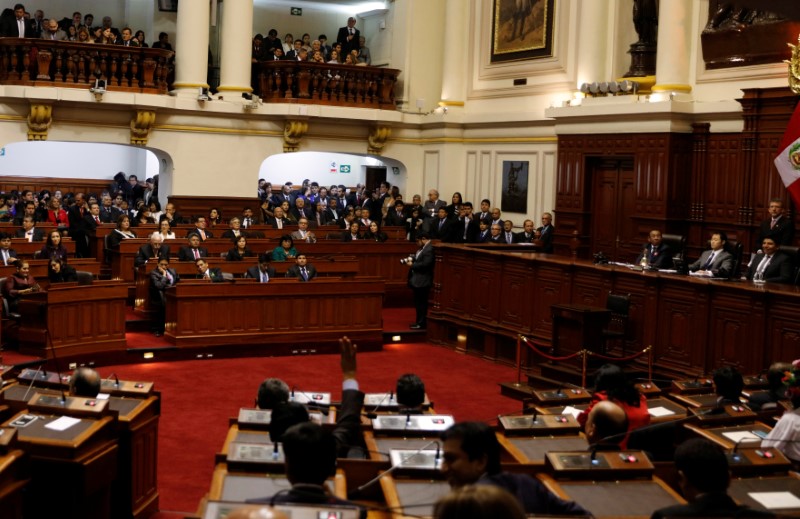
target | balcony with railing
x=35, y=62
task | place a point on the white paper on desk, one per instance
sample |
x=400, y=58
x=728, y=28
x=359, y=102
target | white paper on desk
x=63, y=423
x=659, y=411
x=103, y=396
x=668, y=271
x=738, y=436
x=571, y=410
x=702, y=273
x=772, y=500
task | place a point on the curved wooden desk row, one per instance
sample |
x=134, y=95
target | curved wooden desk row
x=39, y=267
x=694, y=325
x=87, y=323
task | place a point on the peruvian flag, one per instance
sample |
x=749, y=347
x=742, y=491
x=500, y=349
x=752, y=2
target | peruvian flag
x=788, y=160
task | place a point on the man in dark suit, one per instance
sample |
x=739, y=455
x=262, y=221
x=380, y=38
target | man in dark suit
x=508, y=232
x=704, y=477
x=658, y=254
x=248, y=219
x=279, y=220
x=127, y=39
x=235, y=229
x=205, y=272
x=295, y=52
x=153, y=250
x=301, y=210
x=495, y=234
x=715, y=262
x=467, y=227
x=396, y=216
x=79, y=226
x=442, y=227
x=19, y=26
x=108, y=213
x=771, y=265
x=8, y=256
x=332, y=214
x=53, y=32
x=28, y=209
x=193, y=251
x=161, y=278
x=200, y=229
x=285, y=194
x=349, y=37
x=433, y=204
x=302, y=270
x=778, y=226
x=29, y=230
x=263, y=272
x=527, y=235
x=484, y=234
x=420, y=278
x=544, y=235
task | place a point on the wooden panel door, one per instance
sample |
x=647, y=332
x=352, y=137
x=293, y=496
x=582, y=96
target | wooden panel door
x=613, y=197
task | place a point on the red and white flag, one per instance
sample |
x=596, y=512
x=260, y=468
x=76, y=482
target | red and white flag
x=788, y=159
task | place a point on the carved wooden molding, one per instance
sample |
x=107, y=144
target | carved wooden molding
x=377, y=139
x=39, y=120
x=141, y=123
x=293, y=133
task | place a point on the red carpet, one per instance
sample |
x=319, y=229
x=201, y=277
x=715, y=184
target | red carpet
x=199, y=396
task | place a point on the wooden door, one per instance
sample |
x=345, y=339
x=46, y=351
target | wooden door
x=613, y=197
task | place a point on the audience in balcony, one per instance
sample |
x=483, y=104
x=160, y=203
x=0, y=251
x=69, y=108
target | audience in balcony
x=140, y=38
x=127, y=39
x=14, y=24
x=53, y=32
x=163, y=42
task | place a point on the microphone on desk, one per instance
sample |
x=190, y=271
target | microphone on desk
x=30, y=386
x=55, y=361
x=373, y=414
x=116, y=379
x=310, y=403
x=402, y=462
x=275, y=451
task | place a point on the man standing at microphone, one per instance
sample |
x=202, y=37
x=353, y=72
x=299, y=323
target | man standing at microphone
x=420, y=278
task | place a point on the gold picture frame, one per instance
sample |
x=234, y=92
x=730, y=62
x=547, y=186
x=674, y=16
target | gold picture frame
x=522, y=29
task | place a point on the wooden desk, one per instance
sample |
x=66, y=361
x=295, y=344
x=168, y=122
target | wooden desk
x=26, y=249
x=741, y=488
x=416, y=496
x=187, y=270
x=39, y=267
x=533, y=450
x=277, y=315
x=577, y=327
x=14, y=475
x=81, y=320
x=487, y=297
x=72, y=469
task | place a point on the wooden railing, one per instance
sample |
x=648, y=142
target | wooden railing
x=34, y=62
x=327, y=84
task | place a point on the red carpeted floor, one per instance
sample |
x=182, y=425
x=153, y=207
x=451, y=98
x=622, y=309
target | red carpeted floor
x=199, y=396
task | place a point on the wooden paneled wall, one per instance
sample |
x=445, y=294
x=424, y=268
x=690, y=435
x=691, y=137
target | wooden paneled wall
x=689, y=184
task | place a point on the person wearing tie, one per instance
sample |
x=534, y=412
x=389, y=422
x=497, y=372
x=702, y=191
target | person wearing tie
x=200, y=229
x=420, y=278
x=279, y=221
x=19, y=27
x=483, y=233
x=247, y=218
x=127, y=38
x=302, y=233
x=527, y=235
x=193, y=251
x=53, y=32
x=658, y=254
x=716, y=262
x=263, y=272
x=349, y=37
x=778, y=226
x=771, y=265
x=508, y=232
x=7, y=254
x=302, y=270
x=208, y=273
x=235, y=229
x=161, y=278
x=153, y=250
x=29, y=230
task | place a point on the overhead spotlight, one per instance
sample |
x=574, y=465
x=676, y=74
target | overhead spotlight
x=603, y=87
x=98, y=89
x=613, y=87
x=203, y=95
x=594, y=89
x=585, y=88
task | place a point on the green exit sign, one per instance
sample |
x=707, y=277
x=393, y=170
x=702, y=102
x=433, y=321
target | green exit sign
x=296, y=11
x=344, y=168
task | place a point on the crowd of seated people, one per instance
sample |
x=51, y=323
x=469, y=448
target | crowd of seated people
x=18, y=22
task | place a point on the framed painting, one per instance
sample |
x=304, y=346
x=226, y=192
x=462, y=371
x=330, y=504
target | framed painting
x=522, y=29
x=168, y=5
x=514, y=197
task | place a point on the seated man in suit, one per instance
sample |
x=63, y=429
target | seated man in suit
x=193, y=251
x=496, y=234
x=396, y=217
x=272, y=392
x=200, y=229
x=84, y=382
x=8, y=256
x=205, y=272
x=302, y=270
x=301, y=209
x=471, y=456
x=704, y=478
x=728, y=385
x=484, y=234
x=508, y=232
x=657, y=254
x=161, y=278
x=302, y=233
x=279, y=220
x=716, y=262
x=606, y=426
x=263, y=272
x=771, y=265
x=248, y=219
x=153, y=250
x=527, y=235
x=29, y=230
x=235, y=230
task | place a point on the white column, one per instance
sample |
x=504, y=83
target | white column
x=454, y=63
x=191, y=47
x=592, y=55
x=674, y=45
x=237, y=21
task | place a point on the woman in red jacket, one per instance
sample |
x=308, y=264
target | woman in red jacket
x=610, y=384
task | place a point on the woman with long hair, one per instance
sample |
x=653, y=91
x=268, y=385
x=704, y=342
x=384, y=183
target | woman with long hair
x=60, y=272
x=239, y=251
x=374, y=233
x=53, y=248
x=122, y=232
x=165, y=229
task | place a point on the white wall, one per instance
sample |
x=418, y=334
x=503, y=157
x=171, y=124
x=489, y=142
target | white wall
x=318, y=166
x=76, y=160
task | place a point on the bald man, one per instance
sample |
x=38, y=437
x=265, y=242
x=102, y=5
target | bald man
x=606, y=425
x=84, y=382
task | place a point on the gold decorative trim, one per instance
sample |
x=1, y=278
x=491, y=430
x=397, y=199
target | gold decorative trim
x=234, y=89
x=672, y=87
x=451, y=103
x=39, y=119
x=293, y=133
x=141, y=123
x=189, y=85
x=14, y=118
x=485, y=140
x=377, y=138
x=206, y=129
